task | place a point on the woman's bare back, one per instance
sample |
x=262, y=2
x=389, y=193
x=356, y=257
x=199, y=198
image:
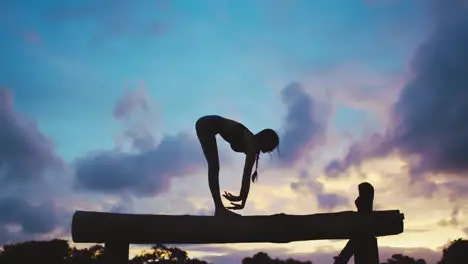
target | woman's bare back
x=233, y=132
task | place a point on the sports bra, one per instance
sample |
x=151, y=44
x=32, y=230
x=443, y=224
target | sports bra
x=235, y=137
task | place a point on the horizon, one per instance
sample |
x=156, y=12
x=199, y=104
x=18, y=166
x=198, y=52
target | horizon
x=98, y=104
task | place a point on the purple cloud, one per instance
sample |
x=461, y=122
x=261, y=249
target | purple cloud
x=375, y=145
x=26, y=158
x=141, y=136
x=33, y=219
x=302, y=127
x=429, y=117
x=26, y=154
x=146, y=171
x=130, y=102
x=326, y=201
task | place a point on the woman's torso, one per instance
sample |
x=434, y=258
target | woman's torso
x=233, y=132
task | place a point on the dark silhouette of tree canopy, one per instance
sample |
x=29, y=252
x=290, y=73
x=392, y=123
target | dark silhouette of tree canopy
x=455, y=253
x=59, y=252
x=51, y=252
x=91, y=255
x=402, y=259
x=165, y=255
x=263, y=258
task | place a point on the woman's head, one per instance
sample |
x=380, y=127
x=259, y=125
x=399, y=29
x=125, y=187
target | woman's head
x=268, y=140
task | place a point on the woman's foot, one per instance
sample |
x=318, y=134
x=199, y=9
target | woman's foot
x=224, y=212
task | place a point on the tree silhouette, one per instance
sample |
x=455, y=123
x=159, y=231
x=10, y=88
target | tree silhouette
x=51, y=252
x=455, y=253
x=165, y=255
x=402, y=259
x=92, y=255
x=263, y=258
x=59, y=252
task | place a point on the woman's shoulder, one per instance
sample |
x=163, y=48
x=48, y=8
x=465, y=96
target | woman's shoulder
x=238, y=127
x=228, y=123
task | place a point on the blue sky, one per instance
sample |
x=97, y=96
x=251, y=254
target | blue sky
x=210, y=50
x=68, y=64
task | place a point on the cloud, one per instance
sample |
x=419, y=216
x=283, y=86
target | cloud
x=303, y=128
x=429, y=118
x=130, y=102
x=431, y=111
x=27, y=159
x=124, y=205
x=32, y=219
x=140, y=133
x=143, y=174
x=145, y=171
x=374, y=145
x=26, y=154
x=453, y=219
x=326, y=201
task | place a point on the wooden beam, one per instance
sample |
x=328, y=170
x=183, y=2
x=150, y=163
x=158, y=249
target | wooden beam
x=100, y=227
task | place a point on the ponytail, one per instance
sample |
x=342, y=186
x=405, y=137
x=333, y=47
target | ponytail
x=255, y=174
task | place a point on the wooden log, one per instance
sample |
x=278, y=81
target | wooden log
x=99, y=227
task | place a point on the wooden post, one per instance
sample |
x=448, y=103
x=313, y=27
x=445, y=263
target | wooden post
x=345, y=254
x=364, y=247
x=366, y=250
x=116, y=252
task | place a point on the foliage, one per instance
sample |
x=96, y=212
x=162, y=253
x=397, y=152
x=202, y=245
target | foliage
x=52, y=252
x=165, y=255
x=91, y=255
x=456, y=252
x=263, y=258
x=402, y=259
x=59, y=252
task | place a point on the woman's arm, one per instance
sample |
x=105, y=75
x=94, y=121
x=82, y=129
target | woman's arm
x=249, y=162
x=250, y=158
x=244, y=192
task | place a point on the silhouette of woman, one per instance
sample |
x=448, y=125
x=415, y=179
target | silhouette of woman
x=241, y=140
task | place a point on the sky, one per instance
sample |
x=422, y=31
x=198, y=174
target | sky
x=99, y=99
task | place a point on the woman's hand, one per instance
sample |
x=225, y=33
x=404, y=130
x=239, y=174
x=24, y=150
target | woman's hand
x=236, y=206
x=232, y=197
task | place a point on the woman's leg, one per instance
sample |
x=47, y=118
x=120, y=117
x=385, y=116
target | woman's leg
x=207, y=137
